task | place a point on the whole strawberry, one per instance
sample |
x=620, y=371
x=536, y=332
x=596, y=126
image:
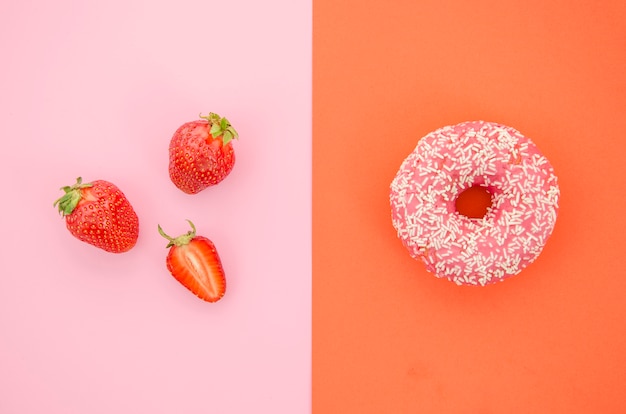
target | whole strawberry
x=201, y=153
x=98, y=213
x=194, y=262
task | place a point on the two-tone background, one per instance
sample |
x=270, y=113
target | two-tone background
x=325, y=311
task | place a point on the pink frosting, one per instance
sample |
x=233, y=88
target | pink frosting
x=515, y=228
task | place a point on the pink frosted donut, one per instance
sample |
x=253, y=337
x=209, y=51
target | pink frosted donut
x=511, y=235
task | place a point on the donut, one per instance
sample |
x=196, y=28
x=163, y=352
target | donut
x=514, y=230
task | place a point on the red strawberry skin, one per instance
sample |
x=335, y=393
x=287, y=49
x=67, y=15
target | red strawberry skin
x=201, y=155
x=194, y=262
x=102, y=216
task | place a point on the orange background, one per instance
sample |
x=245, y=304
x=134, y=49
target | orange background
x=388, y=337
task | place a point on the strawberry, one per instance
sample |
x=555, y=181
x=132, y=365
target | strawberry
x=201, y=153
x=98, y=213
x=194, y=262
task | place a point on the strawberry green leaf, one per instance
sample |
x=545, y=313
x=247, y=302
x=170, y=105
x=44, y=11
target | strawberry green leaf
x=227, y=137
x=180, y=240
x=220, y=127
x=68, y=202
x=215, y=131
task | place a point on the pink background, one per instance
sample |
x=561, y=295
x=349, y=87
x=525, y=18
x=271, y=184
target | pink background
x=96, y=89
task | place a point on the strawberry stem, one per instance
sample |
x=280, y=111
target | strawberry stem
x=68, y=202
x=220, y=127
x=180, y=240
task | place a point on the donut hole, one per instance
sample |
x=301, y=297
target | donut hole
x=474, y=202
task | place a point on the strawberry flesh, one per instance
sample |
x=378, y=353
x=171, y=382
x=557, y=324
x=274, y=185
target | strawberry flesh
x=194, y=262
x=197, y=266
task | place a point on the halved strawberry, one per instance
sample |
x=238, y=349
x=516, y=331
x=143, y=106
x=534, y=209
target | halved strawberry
x=201, y=153
x=194, y=262
x=99, y=213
